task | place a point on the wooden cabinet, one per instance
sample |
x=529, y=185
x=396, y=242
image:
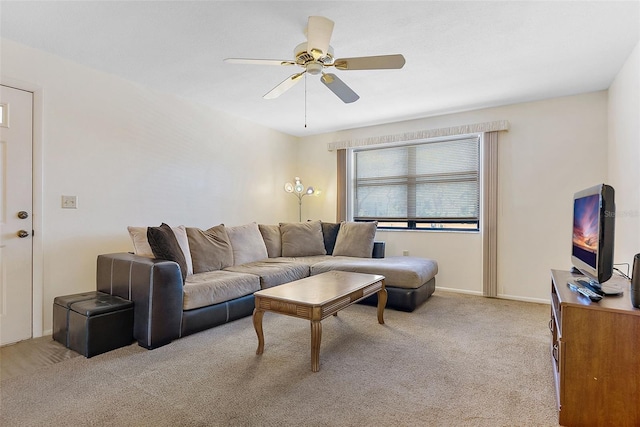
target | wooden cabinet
x=595, y=351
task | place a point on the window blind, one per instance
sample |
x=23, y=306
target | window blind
x=428, y=181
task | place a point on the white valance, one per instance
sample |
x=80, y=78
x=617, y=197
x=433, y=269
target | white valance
x=423, y=134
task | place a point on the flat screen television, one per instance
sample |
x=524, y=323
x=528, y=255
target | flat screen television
x=594, y=214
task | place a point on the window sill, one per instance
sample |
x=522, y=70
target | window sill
x=432, y=230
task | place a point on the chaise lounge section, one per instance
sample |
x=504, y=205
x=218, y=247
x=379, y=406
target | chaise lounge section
x=174, y=297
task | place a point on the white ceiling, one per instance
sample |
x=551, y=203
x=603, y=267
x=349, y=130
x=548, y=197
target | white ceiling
x=460, y=55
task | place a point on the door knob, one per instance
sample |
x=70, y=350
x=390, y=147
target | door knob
x=23, y=233
x=23, y=215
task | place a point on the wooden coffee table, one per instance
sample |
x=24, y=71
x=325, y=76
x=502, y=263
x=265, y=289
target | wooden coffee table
x=315, y=298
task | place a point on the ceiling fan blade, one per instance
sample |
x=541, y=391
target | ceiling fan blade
x=259, y=61
x=338, y=87
x=382, y=62
x=319, y=30
x=284, y=86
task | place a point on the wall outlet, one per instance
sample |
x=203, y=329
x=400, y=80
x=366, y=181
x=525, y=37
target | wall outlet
x=69, y=202
x=405, y=253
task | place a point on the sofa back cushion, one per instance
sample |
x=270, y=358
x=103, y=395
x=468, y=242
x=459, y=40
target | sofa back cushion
x=356, y=239
x=302, y=239
x=247, y=243
x=272, y=239
x=210, y=249
x=140, y=242
x=164, y=245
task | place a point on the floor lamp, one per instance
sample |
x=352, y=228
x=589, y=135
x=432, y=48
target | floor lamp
x=298, y=190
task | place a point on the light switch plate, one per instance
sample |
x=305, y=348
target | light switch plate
x=69, y=202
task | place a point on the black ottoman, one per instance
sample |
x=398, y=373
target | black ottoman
x=61, y=313
x=100, y=324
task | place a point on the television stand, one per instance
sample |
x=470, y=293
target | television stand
x=595, y=353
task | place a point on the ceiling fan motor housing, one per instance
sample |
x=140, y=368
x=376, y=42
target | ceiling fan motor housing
x=304, y=58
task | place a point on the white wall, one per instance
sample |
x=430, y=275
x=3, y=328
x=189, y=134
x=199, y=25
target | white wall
x=553, y=148
x=624, y=157
x=137, y=157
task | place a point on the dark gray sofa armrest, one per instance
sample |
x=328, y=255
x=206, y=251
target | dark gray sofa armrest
x=154, y=286
x=378, y=250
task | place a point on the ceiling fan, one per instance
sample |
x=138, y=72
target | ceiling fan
x=316, y=54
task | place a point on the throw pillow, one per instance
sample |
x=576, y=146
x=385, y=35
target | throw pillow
x=210, y=249
x=164, y=245
x=329, y=234
x=247, y=243
x=302, y=239
x=272, y=240
x=355, y=239
x=141, y=243
x=181, y=236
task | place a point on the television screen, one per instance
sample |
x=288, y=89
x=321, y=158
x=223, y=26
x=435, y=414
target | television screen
x=586, y=228
x=593, y=232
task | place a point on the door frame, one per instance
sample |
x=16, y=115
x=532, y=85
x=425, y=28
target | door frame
x=37, y=273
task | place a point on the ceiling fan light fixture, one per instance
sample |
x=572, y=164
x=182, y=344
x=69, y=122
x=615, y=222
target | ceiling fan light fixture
x=314, y=68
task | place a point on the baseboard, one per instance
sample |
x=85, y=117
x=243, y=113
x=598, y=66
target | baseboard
x=459, y=291
x=499, y=296
x=525, y=299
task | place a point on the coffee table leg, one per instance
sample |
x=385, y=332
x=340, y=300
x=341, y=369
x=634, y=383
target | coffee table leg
x=257, y=324
x=382, y=302
x=316, y=338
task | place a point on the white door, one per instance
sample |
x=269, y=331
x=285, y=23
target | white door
x=16, y=201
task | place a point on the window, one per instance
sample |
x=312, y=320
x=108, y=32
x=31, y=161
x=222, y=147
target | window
x=430, y=184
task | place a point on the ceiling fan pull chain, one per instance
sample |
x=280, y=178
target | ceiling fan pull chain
x=305, y=100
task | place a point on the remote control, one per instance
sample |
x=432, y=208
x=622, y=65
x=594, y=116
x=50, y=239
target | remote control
x=591, y=286
x=585, y=291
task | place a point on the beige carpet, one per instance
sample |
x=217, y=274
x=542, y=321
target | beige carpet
x=458, y=360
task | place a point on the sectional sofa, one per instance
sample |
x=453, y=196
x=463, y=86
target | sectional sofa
x=184, y=279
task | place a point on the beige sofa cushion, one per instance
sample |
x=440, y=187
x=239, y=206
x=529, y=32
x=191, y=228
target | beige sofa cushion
x=272, y=239
x=302, y=239
x=355, y=239
x=307, y=260
x=213, y=287
x=210, y=249
x=273, y=273
x=247, y=243
x=140, y=242
x=399, y=272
